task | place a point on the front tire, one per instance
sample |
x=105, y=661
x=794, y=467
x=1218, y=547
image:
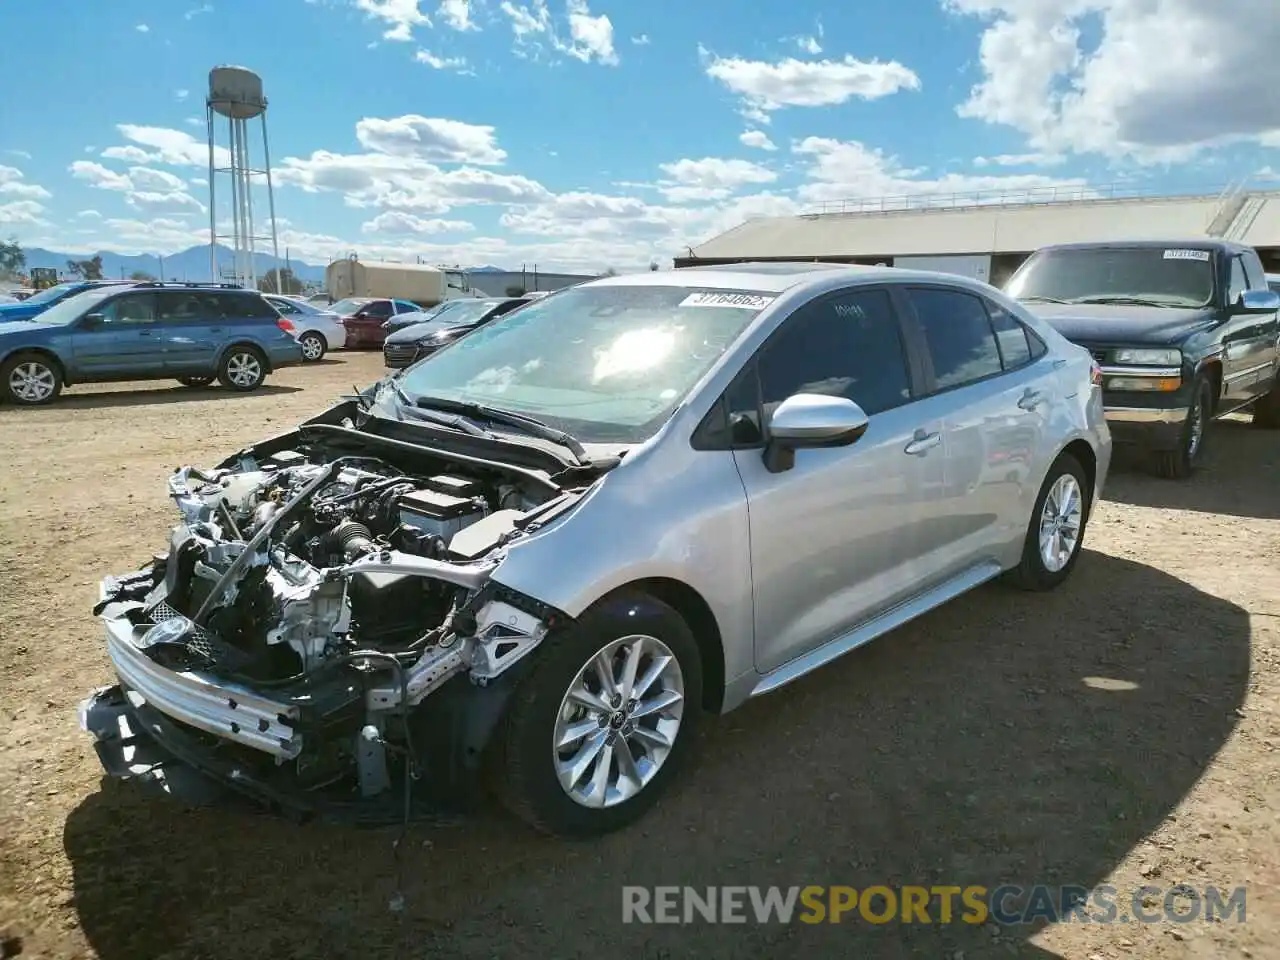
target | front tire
x=242, y=369
x=1056, y=531
x=599, y=726
x=1181, y=462
x=30, y=379
x=313, y=347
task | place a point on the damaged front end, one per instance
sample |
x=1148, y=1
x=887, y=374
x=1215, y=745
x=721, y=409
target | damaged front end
x=322, y=628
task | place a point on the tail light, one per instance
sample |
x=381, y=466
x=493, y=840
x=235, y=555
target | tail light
x=286, y=326
x=1095, y=373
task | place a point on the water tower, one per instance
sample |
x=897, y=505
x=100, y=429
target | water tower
x=236, y=97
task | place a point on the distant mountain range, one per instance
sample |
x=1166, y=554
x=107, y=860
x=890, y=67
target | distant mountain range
x=191, y=264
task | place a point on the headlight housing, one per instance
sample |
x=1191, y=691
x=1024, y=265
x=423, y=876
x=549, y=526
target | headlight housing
x=1146, y=357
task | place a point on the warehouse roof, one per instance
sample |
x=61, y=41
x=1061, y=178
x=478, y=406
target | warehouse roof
x=994, y=227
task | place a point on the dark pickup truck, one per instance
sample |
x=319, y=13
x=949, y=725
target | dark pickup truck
x=1185, y=332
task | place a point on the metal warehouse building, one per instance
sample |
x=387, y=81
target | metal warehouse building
x=988, y=235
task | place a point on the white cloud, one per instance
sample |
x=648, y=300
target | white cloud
x=1021, y=160
x=457, y=14
x=19, y=153
x=710, y=178
x=398, y=223
x=641, y=41
x=431, y=138
x=1166, y=78
x=145, y=178
x=527, y=20
x=25, y=212
x=402, y=16
x=142, y=28
x=591, y=37
x=766, y=87
x=199, y=182
x=840, y=170
x=172, y=147
x=181, y=95
x=440, y=63
x=96, y=175
x=194, y=122
x=758, y=139
x=197, y=11
x=811, y=44
x=12, y=184
x=151, y=201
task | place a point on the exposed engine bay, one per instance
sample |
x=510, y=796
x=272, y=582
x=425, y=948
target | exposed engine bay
x=309, y=603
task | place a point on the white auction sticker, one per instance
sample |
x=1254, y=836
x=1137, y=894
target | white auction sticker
x=743, y=301
x=1186, y=254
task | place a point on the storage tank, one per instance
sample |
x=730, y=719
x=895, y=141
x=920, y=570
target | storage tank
x=236, y=92
x=418, y=282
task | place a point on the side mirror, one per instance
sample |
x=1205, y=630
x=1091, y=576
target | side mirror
x=91, y=320
x=1258, y=301
x=809, y=420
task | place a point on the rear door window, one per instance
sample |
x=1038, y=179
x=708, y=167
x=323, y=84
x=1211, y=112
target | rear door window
x=958, y=334
x=132, y=308
x=249, y=306
x=184, y=307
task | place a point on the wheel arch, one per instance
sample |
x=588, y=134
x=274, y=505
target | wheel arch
x=698, y=616
x=1087, y=457
x=43, y=352
x=1212, y=369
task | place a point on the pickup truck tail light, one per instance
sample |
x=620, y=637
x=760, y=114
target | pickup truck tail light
x=286, y=326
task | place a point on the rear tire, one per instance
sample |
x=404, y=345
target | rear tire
x=243, y=369
x=1055, y=535
x=645, y=731
x=196, y=381
x=30, y=379
x=1182, y=461
x=313, y=347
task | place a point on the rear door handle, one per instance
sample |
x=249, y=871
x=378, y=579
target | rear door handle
x=922, y=443
x=1031, y=399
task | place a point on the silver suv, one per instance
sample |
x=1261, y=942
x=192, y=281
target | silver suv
x=547, y=550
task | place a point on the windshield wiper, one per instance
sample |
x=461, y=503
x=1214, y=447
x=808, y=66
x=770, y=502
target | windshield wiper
x=530, y=425
x=407, y=405
x=1137, y=301
x=1040, y=299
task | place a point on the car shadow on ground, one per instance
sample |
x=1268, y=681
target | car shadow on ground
x=1009, y=738
x=1240, y=476
x=174, y=394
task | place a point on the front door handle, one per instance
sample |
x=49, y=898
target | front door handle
x=1031, y=399
x=922, y=443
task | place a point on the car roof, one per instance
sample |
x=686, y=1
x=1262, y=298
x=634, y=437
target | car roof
x=1185, y=243
x=765, y=277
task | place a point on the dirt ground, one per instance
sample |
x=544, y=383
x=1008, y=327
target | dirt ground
x=987, y=743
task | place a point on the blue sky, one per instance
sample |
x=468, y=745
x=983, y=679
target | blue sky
x=581, y=134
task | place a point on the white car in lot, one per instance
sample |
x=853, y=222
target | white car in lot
x=319, y=331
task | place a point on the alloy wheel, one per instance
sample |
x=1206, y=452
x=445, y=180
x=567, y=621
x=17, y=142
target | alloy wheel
x=32, y=381
x=244, y=369
x=618, y=721
x=312, y=348
x=1060, y=523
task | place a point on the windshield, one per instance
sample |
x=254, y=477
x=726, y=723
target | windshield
x=49, y=294
x=467, y=311
x=1166, y=277
x=606, y=364
x=76, y=305
x=350, y=305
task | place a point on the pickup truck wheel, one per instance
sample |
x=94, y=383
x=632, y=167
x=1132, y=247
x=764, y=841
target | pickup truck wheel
x=598, y=727
x=1266, y=412
x=195, y=381
x=313, y=347
x=1056, y=530
x=30, y=379
x=1182, y=461
x=242, y=369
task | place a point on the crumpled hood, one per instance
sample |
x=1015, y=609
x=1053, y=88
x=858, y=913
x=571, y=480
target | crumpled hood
x=423, y=331
x=1122, y=323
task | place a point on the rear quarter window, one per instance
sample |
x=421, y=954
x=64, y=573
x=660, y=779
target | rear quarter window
x=250, y=306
